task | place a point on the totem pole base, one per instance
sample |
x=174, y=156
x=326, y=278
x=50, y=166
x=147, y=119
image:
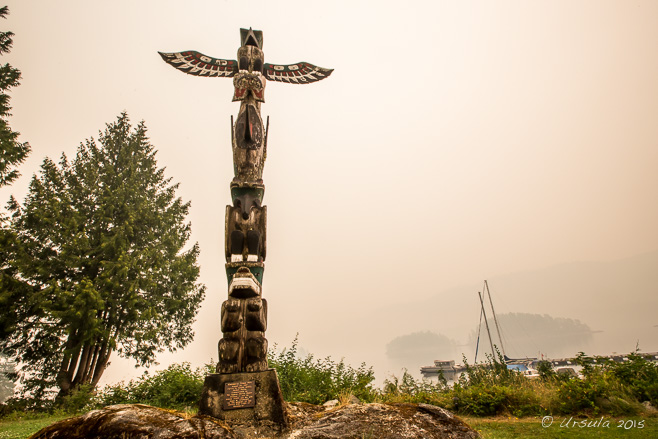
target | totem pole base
x=249, y=401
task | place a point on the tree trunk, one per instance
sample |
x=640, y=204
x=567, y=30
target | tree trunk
x=63, y=378
x=83, y=365
x=75, y=366
x=88, y=363
x=101, y=365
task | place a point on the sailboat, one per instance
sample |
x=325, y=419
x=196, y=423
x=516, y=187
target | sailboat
x=451, y=371
x=523, y=365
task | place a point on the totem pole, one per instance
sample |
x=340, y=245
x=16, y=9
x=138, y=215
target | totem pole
x=242, y=372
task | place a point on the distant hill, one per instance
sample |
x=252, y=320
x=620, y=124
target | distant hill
x=532, y=335
x=418, y=347
x=618, y=298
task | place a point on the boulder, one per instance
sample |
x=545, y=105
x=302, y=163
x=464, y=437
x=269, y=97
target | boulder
x=307, y=421
x=377, y=421
x=136, y=421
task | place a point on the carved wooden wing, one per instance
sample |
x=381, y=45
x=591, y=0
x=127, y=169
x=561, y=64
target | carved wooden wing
x=300, y=73
x=198, y=64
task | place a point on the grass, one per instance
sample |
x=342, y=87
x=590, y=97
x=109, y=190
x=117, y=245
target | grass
x=510, y=427
x=23, y=427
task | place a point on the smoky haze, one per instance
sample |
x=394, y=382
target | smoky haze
x=454, y=142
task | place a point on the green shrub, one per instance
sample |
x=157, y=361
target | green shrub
x=607, y=387
x=494, y=371
x=177, y=387
x=640, y=375
x=491, y=389
x=545, y=370
x=79, y=400
x=618, y=406
x=481, y=399
x=27, y=404
x=577, y=396
x=415, y=391
x=316, y=381
x=483, y=390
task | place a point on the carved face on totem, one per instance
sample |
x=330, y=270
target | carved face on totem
x=249, y=84
x=249, y=81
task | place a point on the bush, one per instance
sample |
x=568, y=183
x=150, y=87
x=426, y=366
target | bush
x=177, y=387
x=317, y=381
x=481, y=399
x=491, y=389
x=25, y=404
x=606, y=387
x=545, y=370
x=79, y=400
x=578, y=396
x=640, y=375
x=492, y=372
x=415, y=391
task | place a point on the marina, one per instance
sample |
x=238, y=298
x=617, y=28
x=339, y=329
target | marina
x=451, y=371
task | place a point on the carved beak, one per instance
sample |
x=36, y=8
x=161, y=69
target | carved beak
x=248, y=129
x=251, y=37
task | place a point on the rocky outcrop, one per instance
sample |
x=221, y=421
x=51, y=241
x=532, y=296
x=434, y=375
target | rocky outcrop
x=136, y=421
x=351, y=421
x=377, y=421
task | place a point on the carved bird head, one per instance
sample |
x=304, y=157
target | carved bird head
x=250, y=53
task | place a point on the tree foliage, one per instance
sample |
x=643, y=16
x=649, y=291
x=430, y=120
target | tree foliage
x=99, y=262
x=12, y=152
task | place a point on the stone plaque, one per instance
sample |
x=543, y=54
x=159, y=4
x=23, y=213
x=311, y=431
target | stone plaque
x=239, y=395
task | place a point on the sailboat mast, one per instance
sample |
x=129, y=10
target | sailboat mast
x=477, y=343
x=493, y=351
x=502, y=346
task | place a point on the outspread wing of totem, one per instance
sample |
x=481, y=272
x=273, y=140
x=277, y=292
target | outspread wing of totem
x=198, y=64
x=299, y=73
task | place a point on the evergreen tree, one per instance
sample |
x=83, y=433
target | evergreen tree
x=100, y=257
x=12, y=152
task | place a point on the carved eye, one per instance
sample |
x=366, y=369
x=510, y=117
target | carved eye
x=244, y=63
x=258, y=65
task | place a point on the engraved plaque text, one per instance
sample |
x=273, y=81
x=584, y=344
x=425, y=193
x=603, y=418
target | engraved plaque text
x=239, y=395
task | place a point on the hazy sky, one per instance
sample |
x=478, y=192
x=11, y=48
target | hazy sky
x=455, y=141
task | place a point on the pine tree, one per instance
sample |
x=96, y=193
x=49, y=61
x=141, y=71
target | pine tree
x=12, y=152
x=100, y=255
